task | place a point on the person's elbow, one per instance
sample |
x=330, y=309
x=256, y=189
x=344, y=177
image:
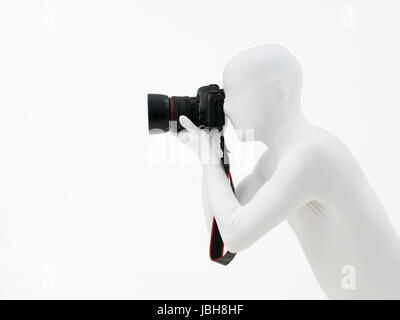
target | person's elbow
x=234, y=243
x=235, y=235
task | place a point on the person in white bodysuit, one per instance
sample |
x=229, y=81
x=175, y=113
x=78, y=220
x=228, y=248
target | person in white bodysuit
x=307, y=177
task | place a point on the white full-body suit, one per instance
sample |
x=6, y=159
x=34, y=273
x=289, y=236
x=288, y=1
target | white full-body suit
x=307, y=176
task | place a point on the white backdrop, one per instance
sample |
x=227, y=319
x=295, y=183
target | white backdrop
x=87, y=211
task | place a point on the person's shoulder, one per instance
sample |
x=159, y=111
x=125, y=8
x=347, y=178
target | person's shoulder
x=322, y=151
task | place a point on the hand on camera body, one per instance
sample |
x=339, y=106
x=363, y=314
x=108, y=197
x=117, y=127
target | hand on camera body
x=205, y=143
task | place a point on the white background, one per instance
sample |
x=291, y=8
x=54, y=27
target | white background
x=86, y=211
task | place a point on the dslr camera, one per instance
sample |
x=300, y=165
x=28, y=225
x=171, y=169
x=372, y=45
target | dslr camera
x=205, y=110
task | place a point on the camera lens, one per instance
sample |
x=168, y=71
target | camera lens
x=184, y=106
x=158, y=111
x=205, y=110
x=162, y=110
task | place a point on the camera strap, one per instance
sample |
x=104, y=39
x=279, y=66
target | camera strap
x=216, y=242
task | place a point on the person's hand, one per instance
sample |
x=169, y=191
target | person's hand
x=204, y=143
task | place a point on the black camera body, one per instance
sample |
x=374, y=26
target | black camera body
x=211, y=102
x=205, y=110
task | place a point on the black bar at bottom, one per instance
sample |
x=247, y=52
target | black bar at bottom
x=197, y=309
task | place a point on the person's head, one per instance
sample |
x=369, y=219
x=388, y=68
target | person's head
x=262, y=87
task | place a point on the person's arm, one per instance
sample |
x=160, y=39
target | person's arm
x=207, y=213
x=244, y=191
x=241, y=225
